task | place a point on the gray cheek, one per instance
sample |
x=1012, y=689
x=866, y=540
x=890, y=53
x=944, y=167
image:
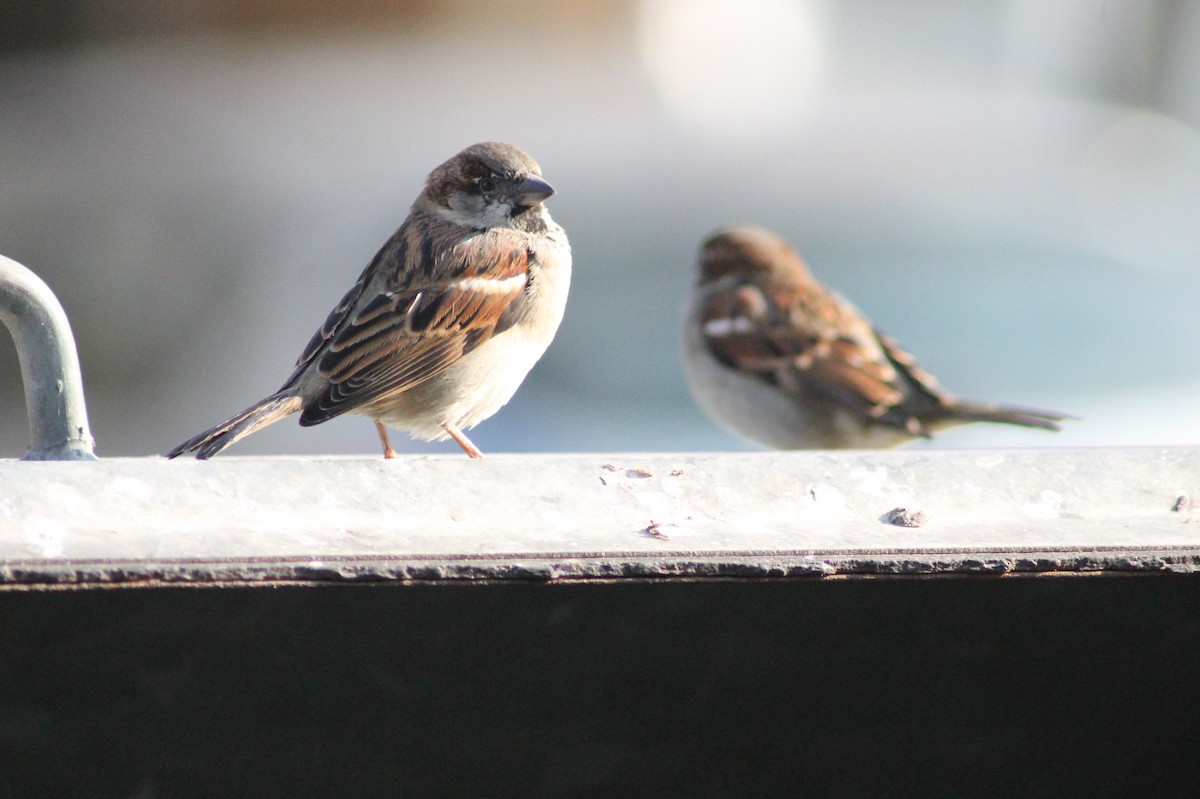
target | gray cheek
x=467, y=203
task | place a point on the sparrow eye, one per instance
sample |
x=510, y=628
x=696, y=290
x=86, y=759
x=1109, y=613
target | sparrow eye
x=486, y=184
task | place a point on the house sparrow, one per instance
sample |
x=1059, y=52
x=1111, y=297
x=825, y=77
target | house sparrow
x=772, y=355
x=447, y=319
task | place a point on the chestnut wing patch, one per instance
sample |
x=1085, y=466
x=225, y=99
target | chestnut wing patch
x=807, y=345
x=388, y=341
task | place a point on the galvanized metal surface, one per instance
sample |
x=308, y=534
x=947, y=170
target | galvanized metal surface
x=58, y=424
x=258, y=520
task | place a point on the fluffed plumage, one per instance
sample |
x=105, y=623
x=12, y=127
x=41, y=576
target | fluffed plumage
x=445, y=321
x=774, y=356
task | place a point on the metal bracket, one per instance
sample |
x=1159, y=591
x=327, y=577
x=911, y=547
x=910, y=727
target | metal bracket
x=58, y=423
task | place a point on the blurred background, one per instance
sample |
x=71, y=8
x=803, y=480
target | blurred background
x=1011, y=188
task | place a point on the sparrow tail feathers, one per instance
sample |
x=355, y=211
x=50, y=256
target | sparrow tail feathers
x=254, y=418
x=1004, y=414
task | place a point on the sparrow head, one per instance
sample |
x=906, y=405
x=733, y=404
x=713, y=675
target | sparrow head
x=747, y=251
x=486, y=185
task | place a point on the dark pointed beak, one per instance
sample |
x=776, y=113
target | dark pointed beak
x=531, y=191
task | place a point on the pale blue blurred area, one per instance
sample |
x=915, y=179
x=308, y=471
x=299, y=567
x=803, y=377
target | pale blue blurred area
x=1010, y=189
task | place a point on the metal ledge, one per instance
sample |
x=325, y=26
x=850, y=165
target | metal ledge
x=140, y=522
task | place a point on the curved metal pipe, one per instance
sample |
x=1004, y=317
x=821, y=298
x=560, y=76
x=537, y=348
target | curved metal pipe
x=58, y=424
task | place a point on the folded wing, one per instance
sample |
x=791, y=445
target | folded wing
x=383, y=338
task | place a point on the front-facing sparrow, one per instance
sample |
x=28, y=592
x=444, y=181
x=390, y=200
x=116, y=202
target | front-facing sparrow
x=774, y=356
x=446, y=320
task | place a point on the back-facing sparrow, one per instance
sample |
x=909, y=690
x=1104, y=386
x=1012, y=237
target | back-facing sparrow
x=772, y=355
x=447, y=319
